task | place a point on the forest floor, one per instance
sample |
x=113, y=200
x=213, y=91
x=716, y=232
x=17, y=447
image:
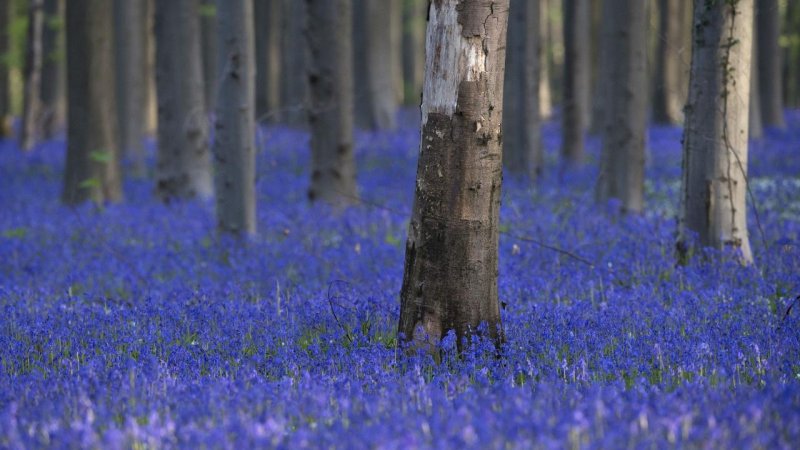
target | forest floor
x=134, y=325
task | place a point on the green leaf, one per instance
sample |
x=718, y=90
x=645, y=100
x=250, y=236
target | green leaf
x=101, y=156
x=90, y=183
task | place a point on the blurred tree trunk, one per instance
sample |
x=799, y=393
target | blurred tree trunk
x=545, y=72
x=769, y=63
x=451, y=261
x=183, y=169
x=791, y=60
x=625, y=111
x=414, y=15
x=668, y=93
x=522, y=146
x=234, y=141
x=208, y=52
x=330, y=41
x=268, y=52
x=375, y=59
x=596, y=117
x=5, y=88
x=92, y=166
x=31, y=103
x=713, y=202
x=151, y=97
x=755, y=117
x=576, y=80
x=294, y=54
x=130, y=22
x=53, y=74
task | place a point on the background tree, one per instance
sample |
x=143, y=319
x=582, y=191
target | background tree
x=576, y=80
x=545, y=62
x=234, y=140
x=713, y=202
x=624, y=68
x=671, y=58
x=450, y=277
x=208, y=52
x=294, y=59
x=92, y=166
x=375, y=64
x=5, y=91
x=791, y=60
x=183, y=169
x=769, y=63
x=330, y=40
x=414, y=14
x=53, y=74
x=31, y=103
x=267, y=16
x=755, y=117
x=130, y=30
x=522, y=146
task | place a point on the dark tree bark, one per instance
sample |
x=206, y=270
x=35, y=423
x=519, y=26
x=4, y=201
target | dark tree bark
x=330, y=40
x=522, y=146
x=267, y=35
x=713, y=202
x=769, y=63
x=208, y=51
x=183, y=169
x=234, y=141
x=31, y=102
x=53, y=74
x=755, y=122
x=576, y=80
x=131, y=63
x=450, y=278
x=151, y=97
x=5, y=92
x=294, y=55
x=414, y=13
x=791, y=60
x=669, y=95
x=375, y=64
x=624, y=66
x=92, y=166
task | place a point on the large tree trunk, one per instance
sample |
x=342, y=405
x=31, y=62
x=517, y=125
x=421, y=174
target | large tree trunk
x=131, y=63
x=713, y=202
x=294, y=54
x=208, y=52
x=184, y=168
x=522, y=146
x=268, y=52
x=31, y=103
x=576, y=80
x=375, y=64
x=5, y=88
x=234, y=140
x=625, y=109
x=414, y=12
x=330, y=40
x=668, y=92
x=769, y=63
x=53, y=73
x=450, y=278
x=92, y=166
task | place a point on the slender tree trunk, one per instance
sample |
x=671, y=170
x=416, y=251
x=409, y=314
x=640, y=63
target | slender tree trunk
x=5, y=91
x=769, y=63
x=151, y=96
x=522, y=147
x=131, y=62
x=450, y=278
x=667, y=98
x=396, y=47
x=330, y=40
x=267, y=36
x=234, y=142
x=791, y=60
x=32, y=104
x=183, y=169
x=597, y=117
x=624, y=62
x=92, y=166
x=576, y=80
x=545, y=78
x=755, y=122
x=53, y=74
x=294, y=52
x=414, y=13
x=208, y=52
x=376, y=63
x=713, y=202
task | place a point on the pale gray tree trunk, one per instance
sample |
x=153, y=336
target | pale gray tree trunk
x=130, y=29
x=576, y=80
x=208, y=52
x=522, y=146
x=235, y=126
x=769, y=64
x=183, y=168
x=92, y=165
x=375, y=64
x=268, y=52
x=5, y=88
x=669, y=94
x=294, y=60
x=713, y=202
x=53, y=73
x=31, y=102
x=624, y=66
x=151, y=95
x=414, y=14
x=755, y=117
x=451, y=262
x=545, y=82
x=330, y=41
